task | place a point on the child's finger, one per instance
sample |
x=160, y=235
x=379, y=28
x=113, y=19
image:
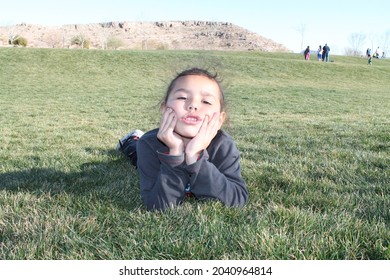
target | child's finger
x=166, y=119
x=213, y=124
x=204, y=125
x=171, y=122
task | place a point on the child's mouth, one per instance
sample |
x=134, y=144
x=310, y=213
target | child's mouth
x=191, y=120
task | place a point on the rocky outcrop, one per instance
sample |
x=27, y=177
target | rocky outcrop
x=178, y=35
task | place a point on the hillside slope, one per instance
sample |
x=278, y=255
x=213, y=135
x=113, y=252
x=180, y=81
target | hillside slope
x=179, y=35
x=314, y=142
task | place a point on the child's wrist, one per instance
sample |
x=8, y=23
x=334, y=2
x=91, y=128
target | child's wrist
x=192, y=158
x=175, y=152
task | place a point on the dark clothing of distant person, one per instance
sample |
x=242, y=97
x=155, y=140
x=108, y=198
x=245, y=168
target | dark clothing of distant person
x=325, y=53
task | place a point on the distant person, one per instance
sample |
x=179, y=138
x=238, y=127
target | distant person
x=319, y=53
x=188, y=154
x=325, y=53
x=383, y=55
x=368, y=52
x=377, y=52
x=306, y=53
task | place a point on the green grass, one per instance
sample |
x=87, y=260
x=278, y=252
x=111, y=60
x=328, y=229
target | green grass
x=314, y=139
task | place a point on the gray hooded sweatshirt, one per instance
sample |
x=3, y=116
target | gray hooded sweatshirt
x=166, y=179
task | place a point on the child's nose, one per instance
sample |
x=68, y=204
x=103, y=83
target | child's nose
x=192, y=107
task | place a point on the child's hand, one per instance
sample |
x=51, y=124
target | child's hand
x=202, y=140
x=167, y=135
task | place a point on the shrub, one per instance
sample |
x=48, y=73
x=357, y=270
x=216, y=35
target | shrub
x=114, y=43
x=81, y=41
x=18, y=41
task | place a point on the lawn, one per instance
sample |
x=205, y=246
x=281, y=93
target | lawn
x=315, y=151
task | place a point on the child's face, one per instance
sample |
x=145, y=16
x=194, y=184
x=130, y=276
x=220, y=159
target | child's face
x=192, y=98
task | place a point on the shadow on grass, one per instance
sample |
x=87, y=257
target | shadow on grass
x=113, y=181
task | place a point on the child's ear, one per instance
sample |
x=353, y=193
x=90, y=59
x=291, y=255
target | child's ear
x=222, y=117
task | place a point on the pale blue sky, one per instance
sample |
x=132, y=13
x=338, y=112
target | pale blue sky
x=323, y=22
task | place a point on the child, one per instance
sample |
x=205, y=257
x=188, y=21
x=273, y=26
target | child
x=306, y=53
x=189, y=154
x=319, y=53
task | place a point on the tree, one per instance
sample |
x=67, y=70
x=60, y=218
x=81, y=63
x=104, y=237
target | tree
x=81, y=39
x=356, y=40
x=372, y=38
x=53, y=38
x=386, y=41
x=105, y=34
x=302, y=30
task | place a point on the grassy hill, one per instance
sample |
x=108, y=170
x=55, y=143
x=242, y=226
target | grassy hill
x=314, y=139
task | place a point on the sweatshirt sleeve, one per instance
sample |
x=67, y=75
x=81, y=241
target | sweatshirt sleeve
x=217, y=174
x=162, y=180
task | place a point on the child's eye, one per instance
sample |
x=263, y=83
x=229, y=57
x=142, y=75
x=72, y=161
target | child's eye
x=207, y=102
x=182, y=98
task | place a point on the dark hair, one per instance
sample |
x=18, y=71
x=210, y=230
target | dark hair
x=196, y=72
